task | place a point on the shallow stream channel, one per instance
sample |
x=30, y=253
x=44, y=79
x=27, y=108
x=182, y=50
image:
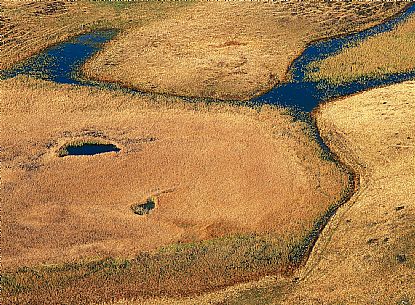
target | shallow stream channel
x=61, y=63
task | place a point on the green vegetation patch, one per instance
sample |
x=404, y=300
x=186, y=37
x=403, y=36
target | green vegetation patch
x=179, y=269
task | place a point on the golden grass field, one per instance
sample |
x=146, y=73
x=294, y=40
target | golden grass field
x=366, y=254
x=236, y=188
x=27, y=27
x=250, y=180
x=380, y=55
x=226, y=50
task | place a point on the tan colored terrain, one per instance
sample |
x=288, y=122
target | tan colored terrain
x=366, y=255
x=377, y=56
x=27, y=27
x=216, y=170
x=235, y=188
x=227, y=50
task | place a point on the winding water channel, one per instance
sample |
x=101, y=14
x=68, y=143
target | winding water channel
x=305, y=95
x=61, y=63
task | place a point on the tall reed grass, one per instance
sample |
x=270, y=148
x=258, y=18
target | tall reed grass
x=375, y=57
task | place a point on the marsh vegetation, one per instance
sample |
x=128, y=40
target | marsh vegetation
x=259, y=162
x=374, y=133
x=27, y=27
x=241, y=192
x=373, y=58
x=227, y=50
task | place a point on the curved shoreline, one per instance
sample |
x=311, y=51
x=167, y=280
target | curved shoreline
x=355, y=181
x=289, y=68
x=357, y=256
x=353, y=187
x=251, y=99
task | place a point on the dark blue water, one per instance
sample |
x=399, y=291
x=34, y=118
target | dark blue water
x=91, y=149
x=61, y=63
x=305, y=95
x=323, y=49
x=145, y=208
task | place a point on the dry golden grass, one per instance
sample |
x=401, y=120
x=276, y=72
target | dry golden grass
x=227, y=50
x=228, y=180
x=26, y=27
x=380, y=55
x=250, y=179
x=267, y=290
x=366, y=255
x=264, y=291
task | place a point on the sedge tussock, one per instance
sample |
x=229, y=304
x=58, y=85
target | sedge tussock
x=237, y=191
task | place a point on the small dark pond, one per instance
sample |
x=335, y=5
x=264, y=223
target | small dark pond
x=61, y=63
x=90, y=149
x=144, y=208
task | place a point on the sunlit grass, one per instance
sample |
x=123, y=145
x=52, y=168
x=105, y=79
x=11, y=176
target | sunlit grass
x=30, y=27
x=192, y=263
x=177, y=269
x=375, y=57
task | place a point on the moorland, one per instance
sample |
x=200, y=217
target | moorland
x=28, y=27
x=248, y=182
x=237, y=189
x=376, y=57
x=226, y=50
x=366, y=254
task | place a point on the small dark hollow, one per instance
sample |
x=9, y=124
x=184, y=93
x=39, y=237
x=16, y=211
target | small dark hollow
x=401, y=258
x=89, y=149
x=144, y=208
x=372, y=241
x=404, y=301
x=399, y=208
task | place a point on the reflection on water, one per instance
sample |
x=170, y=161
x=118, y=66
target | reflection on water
x=61, y=64
x=90, y=149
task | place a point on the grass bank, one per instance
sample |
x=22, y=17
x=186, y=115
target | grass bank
x=260, y=186
x=370, y=241
x=30, y=26
x=227, y=50
x=176, y=270
x=375, y=57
